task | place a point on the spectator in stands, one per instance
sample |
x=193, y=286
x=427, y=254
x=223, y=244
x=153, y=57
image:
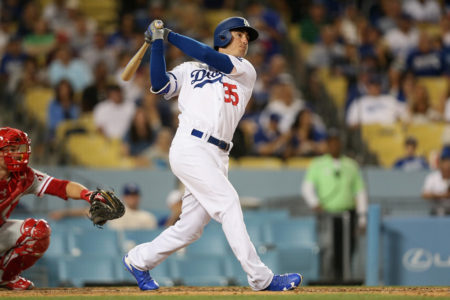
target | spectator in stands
x=28, y=16
x=98, y=51
x=122, y=39
x=424, y=60
x=375, y=107
x=270, y=24
x=411, y=161
x=31, y=77
x=81, y=34
x=310, y=26
x=114, y=115
x=66, y=66
x=391, y=10
x=268, y=140
x=333, y=184
x=284, y=101
x=306, y=138
x=141, y=134
x=174, y=202
x=134, y=217
x=158, y=154
x=41, y=41
x=62, y=107
x=12, y=63
x=436, y=188
x=348, y=24
x=327, y=50
x=55, y=12
x=445, y=30
x=426, y=11
x=402, y=38
x=98, y=90
x=420, y=109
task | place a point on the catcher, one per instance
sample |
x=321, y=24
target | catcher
x=23, y=242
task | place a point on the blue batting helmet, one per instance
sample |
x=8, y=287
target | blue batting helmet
x=222, y=34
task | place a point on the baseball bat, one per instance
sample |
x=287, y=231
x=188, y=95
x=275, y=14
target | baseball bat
x=135, y=61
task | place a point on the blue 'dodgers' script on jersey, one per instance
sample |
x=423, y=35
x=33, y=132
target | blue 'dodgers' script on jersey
x=200, y=77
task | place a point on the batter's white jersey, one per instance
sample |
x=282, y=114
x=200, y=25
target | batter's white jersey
x=212, y=102
x=209, y=100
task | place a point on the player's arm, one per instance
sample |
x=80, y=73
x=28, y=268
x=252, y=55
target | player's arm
x=201, y=52
x=68, y=189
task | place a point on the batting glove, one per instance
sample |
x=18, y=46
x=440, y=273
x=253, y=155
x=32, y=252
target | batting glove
x=156, y=31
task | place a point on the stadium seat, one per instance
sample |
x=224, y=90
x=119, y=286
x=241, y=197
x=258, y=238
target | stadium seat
x=290, y=233
x=93, y=150
x=429, y=136
x=298, y=162
x=260, y=162
x=203, y=270
x=303, y=260
x=386, y=141
x=212, y=242
x=92, y=269
x=93, y=241
x=266, y=215
x=162, y=273
x=36, y=103
x=58, y=243
x=436, y=87
x=84, y=124
x=132, y=238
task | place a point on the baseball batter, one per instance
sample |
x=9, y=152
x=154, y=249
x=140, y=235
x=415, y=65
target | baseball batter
x=212, y=96
x=23, y=242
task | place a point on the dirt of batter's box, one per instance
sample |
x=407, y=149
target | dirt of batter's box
x=183, y=290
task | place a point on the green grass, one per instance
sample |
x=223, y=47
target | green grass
x=342, y=296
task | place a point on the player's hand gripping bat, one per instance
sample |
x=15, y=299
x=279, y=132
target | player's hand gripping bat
x=135, y=61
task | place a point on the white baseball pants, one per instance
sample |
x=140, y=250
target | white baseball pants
x=203, y=169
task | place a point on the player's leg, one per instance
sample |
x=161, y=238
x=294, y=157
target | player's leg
x=203, y=173
x=203, y=170
x=186, y=230
x=27, y=240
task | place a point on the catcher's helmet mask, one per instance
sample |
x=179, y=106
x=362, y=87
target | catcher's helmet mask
x=222, y=33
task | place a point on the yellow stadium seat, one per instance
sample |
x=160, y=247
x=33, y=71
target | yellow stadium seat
x=436, y=87
x=386, y=141
x=298, y=162
x=93, y=150
x=260, y=162
x=36, y=103
x=294, y=33
x=214, y=17
x=429, y=136
x=337, y=90
x=305, y=49
x=83, y=124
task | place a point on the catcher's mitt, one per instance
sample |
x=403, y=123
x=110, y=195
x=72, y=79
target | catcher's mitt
x=105, y=205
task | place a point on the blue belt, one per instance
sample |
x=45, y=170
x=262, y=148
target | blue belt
x=219, y=143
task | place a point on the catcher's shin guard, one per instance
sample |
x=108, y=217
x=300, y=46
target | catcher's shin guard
x=31, y=245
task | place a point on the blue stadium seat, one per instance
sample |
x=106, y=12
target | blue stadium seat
x=162, y=273
x=304, y=260
x=201, y=270
x=132, y=238
x=75, y=222
x=58, y=243
x=296, y=232
x=265, y=215
x=212, y=242
x=93, y=241
x=80, y=271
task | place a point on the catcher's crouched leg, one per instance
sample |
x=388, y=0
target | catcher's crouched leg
x=30, y=246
